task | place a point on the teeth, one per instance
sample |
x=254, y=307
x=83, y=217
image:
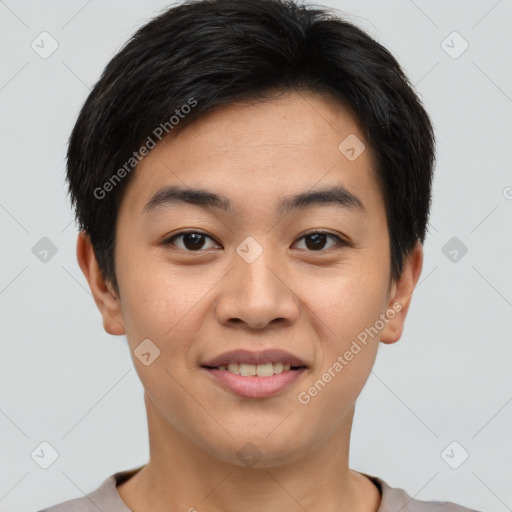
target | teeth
x=247, y=370
x=265, y=370
x=261, y=370
x=233, y=368
x=278, y=367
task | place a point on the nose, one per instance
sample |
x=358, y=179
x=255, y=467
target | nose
x=257, y=294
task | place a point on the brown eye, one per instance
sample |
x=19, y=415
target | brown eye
x=191, y=240
x=316, y=241
x=194, y=241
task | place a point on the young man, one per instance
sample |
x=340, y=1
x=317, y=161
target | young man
x=252, y=181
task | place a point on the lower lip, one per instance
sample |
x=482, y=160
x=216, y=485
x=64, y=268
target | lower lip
x=255, y=387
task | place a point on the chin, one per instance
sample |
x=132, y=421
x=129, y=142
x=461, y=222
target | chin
x=259, y=451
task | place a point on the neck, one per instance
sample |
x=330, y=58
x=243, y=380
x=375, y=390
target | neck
x=183, y=476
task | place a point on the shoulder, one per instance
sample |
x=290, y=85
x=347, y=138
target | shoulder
x=394, y=499
x=89, y=503
x=74, y=505
x=104, y=498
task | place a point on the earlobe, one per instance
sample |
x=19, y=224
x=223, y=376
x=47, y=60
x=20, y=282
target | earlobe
x=401, y=295
x=104, y=296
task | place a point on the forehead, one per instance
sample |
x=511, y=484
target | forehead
x=260, y=152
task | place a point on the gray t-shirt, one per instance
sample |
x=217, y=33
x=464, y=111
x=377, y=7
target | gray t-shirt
x=107, y=499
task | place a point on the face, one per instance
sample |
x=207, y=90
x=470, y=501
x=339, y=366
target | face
x=282, y=281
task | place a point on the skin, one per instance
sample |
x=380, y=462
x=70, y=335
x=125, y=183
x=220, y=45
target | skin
x=197, y=303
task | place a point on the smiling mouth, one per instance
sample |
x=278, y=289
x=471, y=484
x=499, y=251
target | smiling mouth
x=255, y=370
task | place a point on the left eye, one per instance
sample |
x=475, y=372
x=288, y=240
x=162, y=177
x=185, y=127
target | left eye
x=194, y=240
x=317, y=240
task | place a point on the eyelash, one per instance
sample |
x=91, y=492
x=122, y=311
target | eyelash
x=340, y=242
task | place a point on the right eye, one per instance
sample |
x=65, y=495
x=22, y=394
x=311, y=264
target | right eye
x=192, y=241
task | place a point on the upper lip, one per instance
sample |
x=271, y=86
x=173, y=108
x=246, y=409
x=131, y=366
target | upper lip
x=247, y=357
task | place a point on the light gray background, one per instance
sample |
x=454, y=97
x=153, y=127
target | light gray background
x=65, y=381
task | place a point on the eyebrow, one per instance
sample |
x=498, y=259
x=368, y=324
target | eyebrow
x=173, y=194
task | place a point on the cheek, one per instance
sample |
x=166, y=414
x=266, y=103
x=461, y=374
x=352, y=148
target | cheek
x=347, y=348
x=349, y=308
x=169, y=307
x=349, y=301
x=155, y=294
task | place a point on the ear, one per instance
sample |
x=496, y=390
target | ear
x=401, y=294
x=106, y=299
